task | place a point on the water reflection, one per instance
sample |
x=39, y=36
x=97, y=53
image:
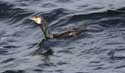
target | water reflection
x=44, y=48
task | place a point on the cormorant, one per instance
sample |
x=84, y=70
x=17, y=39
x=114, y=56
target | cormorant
x=44, y=27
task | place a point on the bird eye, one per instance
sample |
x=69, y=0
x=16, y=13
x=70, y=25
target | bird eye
x=42, y=21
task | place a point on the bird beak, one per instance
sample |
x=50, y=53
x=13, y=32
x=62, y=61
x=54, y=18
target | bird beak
x=30, y=18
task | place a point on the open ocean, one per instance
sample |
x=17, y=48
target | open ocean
x=91, y=52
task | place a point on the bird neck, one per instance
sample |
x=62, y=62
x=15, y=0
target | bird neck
x=44, y=28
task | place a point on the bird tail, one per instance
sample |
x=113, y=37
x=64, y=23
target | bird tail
x=91, y=30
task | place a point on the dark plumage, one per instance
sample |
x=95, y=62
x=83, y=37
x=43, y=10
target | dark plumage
x=46, y=44
x=44, y=27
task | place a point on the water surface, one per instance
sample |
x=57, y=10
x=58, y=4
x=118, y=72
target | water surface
x=91, y=52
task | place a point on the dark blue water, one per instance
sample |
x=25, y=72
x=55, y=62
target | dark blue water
x=91, y=52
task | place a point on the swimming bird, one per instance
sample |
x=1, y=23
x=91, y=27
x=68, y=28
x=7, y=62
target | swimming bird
x=44, y=27
x=46, y=44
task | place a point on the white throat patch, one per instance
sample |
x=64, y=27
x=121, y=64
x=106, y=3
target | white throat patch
x=36, y=19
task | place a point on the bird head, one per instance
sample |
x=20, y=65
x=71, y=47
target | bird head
x=37, y=19
x=42, y=23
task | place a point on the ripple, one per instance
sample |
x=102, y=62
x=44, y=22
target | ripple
x=8, y=60
x=95, y=51
x=12, y=71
